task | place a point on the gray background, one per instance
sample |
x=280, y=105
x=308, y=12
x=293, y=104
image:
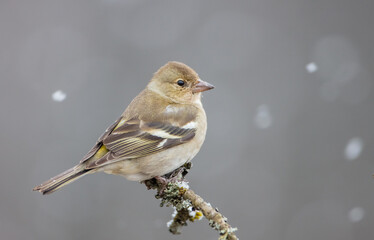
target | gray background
x=288, y=153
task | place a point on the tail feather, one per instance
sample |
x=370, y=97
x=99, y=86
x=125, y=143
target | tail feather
x=61, y=180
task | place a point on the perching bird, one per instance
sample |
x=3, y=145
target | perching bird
x=163, y=128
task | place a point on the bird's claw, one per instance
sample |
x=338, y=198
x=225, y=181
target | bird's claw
x=177, y=174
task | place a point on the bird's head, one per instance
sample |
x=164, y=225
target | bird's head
x=178, y=82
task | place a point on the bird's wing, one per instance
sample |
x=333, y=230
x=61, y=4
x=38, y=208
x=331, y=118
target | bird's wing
x=134, y=138
x=99, y=142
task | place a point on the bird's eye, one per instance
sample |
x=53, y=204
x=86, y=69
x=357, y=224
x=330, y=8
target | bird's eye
x=180, y=82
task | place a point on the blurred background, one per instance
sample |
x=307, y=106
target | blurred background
x=288, y=153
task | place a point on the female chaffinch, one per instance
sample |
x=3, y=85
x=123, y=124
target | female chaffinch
x=162, y=128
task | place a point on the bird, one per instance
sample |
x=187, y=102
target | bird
x=162, y=128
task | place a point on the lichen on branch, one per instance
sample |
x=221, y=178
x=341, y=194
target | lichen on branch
x=174, y=192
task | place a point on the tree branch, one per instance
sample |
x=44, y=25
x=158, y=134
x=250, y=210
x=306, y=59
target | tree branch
x=188, y=206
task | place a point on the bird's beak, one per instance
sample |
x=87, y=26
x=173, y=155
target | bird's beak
x=201, y=86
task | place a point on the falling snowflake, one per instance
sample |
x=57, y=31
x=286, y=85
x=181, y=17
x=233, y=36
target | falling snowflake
x=58, y=96
x=353, y=148
x=311, y=67
x=263, y=118
x=356, y=214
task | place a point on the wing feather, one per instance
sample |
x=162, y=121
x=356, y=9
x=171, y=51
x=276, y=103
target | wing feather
x=99, y=142
x=135, y=138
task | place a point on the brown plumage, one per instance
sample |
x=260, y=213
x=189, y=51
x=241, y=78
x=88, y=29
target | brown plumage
x=162, y=128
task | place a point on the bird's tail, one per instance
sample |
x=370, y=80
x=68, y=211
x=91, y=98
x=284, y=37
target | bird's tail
x=62, y=179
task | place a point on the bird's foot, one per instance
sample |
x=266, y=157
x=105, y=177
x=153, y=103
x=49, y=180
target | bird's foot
x=177, y=174
x=163, y=183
